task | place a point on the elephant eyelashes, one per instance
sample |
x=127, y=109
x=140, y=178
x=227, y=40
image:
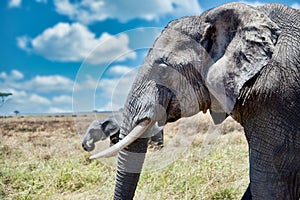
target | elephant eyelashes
x=162, y=62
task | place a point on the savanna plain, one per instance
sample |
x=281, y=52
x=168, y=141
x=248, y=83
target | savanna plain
x=41, y=158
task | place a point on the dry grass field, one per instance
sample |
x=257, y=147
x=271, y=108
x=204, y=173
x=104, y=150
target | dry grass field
x=42, y=158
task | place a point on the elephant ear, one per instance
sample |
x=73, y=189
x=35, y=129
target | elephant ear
x=110, y=127
x=240, y=41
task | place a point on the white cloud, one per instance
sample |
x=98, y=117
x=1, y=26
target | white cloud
x=53, y=93
x=22, y=42
x=62, y=99
x=34, y=98
x=296, y=6
x=41, y=1
x=115, y=90
x=13, y=75
x=23, y=97
x=25, y=102
x=19, y=96
x=51, y=80
x=17, y=75
x=14, y=3
x=3, y=75
x=46, y=84
x=105, y=94
x=41, y=84
x=119, y=70
x=74, y=42
x=58, y=110
x=254, y=3
x=89, y=11
x=39, y=94
x=87, y=83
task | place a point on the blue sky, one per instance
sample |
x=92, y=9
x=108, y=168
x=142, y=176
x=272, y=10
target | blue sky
x=70, y=56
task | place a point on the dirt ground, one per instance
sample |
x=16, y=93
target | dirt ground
x=59, y=127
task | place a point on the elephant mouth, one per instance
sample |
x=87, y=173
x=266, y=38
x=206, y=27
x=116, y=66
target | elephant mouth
x=168, y=109
x=136, y=132
x=88, y=145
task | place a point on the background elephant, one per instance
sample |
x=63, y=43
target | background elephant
x=110, y=127
x=234, y=59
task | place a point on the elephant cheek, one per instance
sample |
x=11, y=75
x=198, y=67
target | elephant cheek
x=160, y=115
x=173, y=110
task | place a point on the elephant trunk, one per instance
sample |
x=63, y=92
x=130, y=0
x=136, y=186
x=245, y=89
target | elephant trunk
x=140, y=108
x=130, y=162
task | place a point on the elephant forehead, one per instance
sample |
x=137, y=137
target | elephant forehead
x=94, y=130
x=94, y=125
x=176, y=46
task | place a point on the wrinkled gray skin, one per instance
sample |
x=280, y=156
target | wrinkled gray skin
x=110, y=127
x=234, y=59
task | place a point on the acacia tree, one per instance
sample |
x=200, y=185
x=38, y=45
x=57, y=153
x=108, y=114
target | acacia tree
x=16, y=112
x=3, y=96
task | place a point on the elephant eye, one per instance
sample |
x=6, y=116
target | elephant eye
x=161, y=72
x=163, y=65
x=165, y=71
x=161, y=62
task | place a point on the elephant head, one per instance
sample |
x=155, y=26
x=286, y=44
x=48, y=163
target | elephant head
x=197, y=63
x=101, y=129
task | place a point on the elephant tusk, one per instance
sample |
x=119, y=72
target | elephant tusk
x=131, y=137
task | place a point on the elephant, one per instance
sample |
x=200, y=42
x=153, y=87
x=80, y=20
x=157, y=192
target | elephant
x=235, y=60
x=101, y=129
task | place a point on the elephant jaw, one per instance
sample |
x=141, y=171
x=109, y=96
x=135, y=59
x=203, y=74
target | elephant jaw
x=137, y=132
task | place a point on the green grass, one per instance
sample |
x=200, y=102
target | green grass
x=48, y=164
x=52, y=166
x=51, y=178
x=220, y=174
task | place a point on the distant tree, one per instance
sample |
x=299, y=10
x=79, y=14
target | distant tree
x=3, y=96
x=16, y=112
